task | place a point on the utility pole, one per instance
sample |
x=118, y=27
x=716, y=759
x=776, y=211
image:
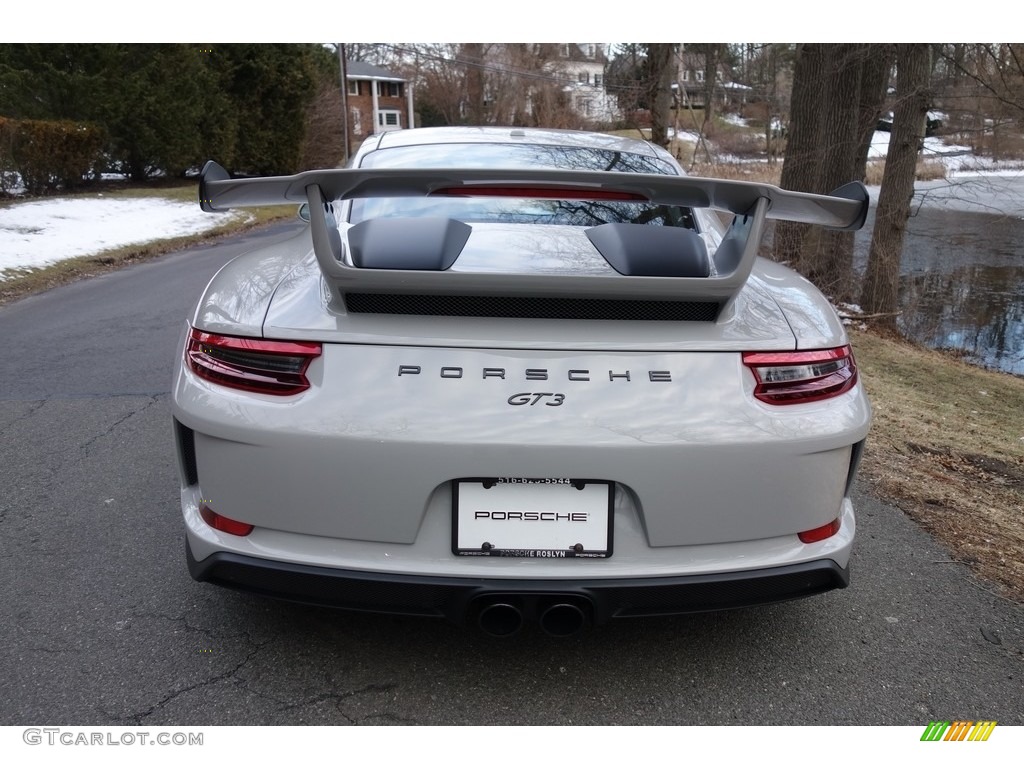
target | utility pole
x=344, y=99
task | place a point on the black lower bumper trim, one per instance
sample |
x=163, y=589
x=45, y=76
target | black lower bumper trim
x=459, y=598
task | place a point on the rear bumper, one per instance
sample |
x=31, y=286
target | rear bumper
x=368, y=455
x=460, y=599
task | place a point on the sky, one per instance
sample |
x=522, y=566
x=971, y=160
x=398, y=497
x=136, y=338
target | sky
x=522, y=21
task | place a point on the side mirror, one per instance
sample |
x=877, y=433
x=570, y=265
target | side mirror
x=304, y=212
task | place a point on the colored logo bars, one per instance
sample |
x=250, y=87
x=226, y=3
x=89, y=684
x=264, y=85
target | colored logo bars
x=961, y=730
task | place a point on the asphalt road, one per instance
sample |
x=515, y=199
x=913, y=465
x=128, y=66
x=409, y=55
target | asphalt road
x=100, y=623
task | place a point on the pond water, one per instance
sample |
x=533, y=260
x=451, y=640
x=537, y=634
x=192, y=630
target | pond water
x=962, y=272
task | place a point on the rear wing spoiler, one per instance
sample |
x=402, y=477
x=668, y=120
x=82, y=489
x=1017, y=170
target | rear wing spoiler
x=750, y=203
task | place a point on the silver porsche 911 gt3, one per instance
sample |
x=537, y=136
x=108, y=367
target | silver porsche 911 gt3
x=509, y=376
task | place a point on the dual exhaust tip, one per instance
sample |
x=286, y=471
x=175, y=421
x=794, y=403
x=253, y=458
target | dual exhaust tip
x=558, y=617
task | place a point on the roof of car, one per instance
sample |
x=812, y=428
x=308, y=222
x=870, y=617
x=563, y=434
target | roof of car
x=491, y=134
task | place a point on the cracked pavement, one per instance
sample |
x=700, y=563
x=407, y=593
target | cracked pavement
x=101, y=625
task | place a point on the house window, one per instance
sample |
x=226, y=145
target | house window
x=686, y=75
x=597, y=79
x=584, y=77
x=389, y=119
x=353, y=87
x=700, y=75
x=565, y=50
x=590, y=50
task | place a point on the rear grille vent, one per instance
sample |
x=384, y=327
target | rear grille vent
x=187, y=451
x=532, y=306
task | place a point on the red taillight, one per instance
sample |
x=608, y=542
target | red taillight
x=255, y=365
x=539, y=193
x=820, y=533
x=801, y=377
x=225, y=524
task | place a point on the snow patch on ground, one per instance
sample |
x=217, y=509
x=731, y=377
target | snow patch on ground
x=933, y=146
x=850, y=314
x=43, y=232
x=956, y=158
x=692, y=136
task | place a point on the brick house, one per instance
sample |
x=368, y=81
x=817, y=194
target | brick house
x=378, y=100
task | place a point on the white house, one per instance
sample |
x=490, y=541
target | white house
x=583, y=65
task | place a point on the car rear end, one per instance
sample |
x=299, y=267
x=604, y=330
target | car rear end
x=500, y=459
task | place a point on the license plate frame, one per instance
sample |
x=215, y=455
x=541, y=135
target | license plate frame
x=532, y=518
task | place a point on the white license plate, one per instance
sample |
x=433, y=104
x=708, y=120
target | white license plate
x=542, y=518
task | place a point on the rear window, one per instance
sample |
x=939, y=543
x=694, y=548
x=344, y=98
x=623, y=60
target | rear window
x=519, y=210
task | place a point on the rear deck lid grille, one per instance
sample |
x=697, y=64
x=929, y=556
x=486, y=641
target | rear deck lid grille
x=542, y=307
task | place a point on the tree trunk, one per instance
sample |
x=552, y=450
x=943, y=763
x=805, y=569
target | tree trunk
x=473, y=54
x=829, y=264
x=804, y=138
x=771, y=142
x=874, y=82
x=880, y=294
x=661, y=57
x=711, y=56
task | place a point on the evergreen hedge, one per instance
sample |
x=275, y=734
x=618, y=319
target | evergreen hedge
x=48, y=154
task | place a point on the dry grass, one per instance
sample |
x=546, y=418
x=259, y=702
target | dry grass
x=927, y=170
x=753, y=171
x=69, y=270
x=739, y=142
x=630, y=133
x=947, y=447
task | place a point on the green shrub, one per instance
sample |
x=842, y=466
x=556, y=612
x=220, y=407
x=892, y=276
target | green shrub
x=7, y=173
x=49, y=154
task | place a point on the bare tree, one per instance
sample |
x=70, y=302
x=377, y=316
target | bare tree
x=323, y=146
x=713, y=54
x=881, y=285
x=838, y=91
x=980, y=87
x=827, y=259
x=489, y=83
x=472, y=55
x=767, y=69
x=803, y=145
x=876, y=70
x=381, y=54
x=440, y=82
x=770, y=73
x=996, y=69
x=660, y=57
x=525, y=85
